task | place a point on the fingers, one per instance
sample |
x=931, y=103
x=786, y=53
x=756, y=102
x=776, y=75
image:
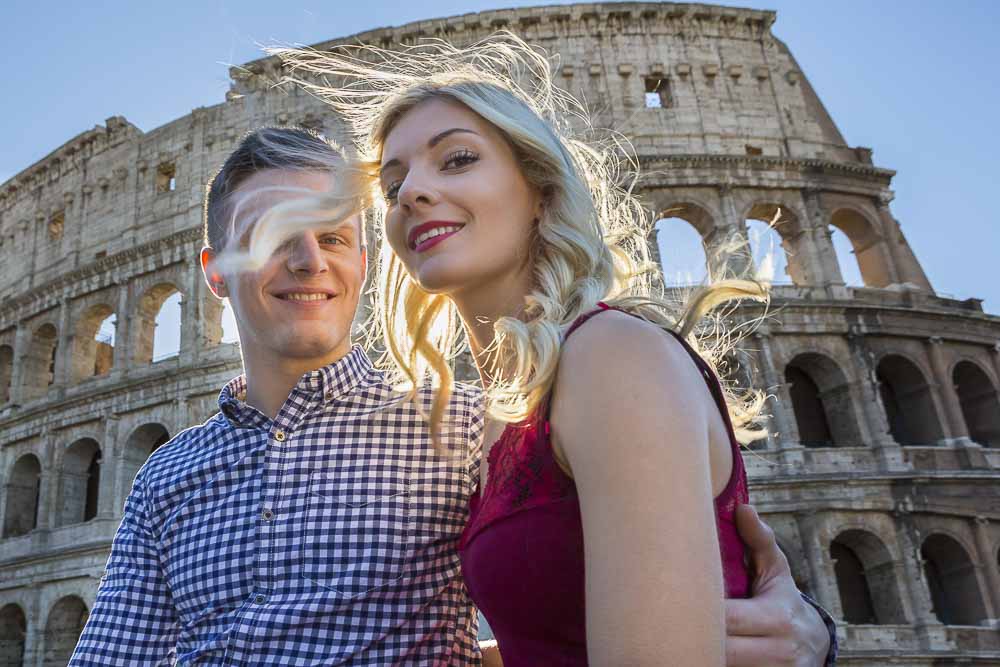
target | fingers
x=759, y=538
x=754, y=618
x=759, y=652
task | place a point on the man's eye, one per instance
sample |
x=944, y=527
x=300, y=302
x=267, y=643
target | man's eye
x=333, y=240
x=460, y=159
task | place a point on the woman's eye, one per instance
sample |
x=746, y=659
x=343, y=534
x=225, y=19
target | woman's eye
x=460, y=159
x=392, y=191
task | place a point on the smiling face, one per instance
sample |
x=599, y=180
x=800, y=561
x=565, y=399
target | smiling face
x=299, y=305
x=460, y=211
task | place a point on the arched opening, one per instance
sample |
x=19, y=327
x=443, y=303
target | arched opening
x=40, y=362
x=6, y=372
x=866, y=579
x=94, y=343
x=229, y=332
x=13, y=628
x=821, y=400
x=768, y=253
x=980, y=404
x=158, y=324
x=909, y=405
x=842, y=247
x=144, y=441
x=682, y=253
x=23, y=490
x=774, y=233
x=867, y=245
x=79, y=482
x=952, y=579
x=63, y=629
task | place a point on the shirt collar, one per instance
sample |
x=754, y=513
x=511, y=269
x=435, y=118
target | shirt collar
x=330, y=382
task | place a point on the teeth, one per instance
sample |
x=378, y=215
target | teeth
x=305, y=297
x=437, y=231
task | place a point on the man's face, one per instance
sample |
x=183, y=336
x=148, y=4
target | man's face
x=301, y=303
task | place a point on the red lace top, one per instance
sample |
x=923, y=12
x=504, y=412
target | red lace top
x=522, y=548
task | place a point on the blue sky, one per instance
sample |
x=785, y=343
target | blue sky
x=915, y=80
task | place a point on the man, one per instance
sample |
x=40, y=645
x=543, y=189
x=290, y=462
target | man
x=312, y=521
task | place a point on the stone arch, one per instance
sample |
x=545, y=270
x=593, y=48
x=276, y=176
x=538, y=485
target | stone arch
x=40, y=361
x=79, y=482
x=142, y=442
x=867, y=244
x=149, y=324
x=784, y=235
x=908, y=401
x=62, y=630
x=6, y=372
x=23, y=489
x=979, y=401
x=684, y=256
x=13, y=628
x=93, y=351
x=951, y=577
x=821, y=401
x=866, y=579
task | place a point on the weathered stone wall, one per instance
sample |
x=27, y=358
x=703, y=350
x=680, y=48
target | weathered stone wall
x=888, y=506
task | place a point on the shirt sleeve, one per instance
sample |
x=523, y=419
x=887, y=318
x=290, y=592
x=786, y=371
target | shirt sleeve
x=831, y=627
x=133, y=621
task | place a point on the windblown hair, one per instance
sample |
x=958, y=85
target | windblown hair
x=279, y=148
x=591, y=241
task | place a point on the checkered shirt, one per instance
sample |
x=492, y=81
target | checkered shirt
x=324, y=536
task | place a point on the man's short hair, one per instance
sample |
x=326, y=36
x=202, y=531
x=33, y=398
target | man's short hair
x=264, y=148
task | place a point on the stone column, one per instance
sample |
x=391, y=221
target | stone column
x=34, y=636
x=897, y=265
x=996, y=358
x=731, y=226
x=107, y=501
x=784, y=433
x=22, y=345
x=988, y=557
x=122, y=359
x=929, y=629
x=64, y=354
x=942, y=385
x=820, y=255
x=888, y=452
x=191, y=312
x=821, y=574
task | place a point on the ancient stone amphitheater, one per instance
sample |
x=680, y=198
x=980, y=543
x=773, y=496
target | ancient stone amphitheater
x=882, y=478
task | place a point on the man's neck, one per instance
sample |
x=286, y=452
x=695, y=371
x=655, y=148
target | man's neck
x=270, y=380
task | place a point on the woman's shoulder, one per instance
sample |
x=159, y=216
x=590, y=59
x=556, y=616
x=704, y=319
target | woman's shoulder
x=614, y=342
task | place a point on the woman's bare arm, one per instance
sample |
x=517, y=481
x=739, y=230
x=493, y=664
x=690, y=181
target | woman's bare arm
x=630, y=415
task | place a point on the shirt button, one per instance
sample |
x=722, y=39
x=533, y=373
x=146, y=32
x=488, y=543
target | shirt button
x=279, y=436
x=267, y=515
x=260, y=599
x=328, y=395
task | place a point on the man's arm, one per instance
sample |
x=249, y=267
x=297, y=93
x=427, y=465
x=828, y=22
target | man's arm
x=778, y=626
x=133, y=620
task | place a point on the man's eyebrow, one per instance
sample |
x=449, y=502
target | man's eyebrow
x=434, y=141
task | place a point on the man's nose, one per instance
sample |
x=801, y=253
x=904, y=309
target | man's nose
x=305, y=255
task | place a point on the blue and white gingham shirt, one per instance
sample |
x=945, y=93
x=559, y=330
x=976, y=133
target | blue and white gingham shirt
x=324, y=536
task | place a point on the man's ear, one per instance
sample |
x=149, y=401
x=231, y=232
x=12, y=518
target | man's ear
x=364, y=264
x=212, y=276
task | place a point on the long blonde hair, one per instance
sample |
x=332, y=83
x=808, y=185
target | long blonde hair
x=591, y=241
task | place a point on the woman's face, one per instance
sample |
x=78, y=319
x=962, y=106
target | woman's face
x=460, y=211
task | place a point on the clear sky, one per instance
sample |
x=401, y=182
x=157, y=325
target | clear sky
x=918, y=81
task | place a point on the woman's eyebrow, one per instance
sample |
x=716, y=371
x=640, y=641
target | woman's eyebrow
x=431, y=143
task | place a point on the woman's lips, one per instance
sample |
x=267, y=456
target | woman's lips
x=434, y=240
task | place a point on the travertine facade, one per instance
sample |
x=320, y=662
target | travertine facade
x=882, y=481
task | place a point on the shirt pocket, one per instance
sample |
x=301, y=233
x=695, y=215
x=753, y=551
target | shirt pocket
x=357, y=534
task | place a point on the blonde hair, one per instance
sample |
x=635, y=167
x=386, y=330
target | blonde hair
x=591, y=240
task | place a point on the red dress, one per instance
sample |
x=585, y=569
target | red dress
x=522, y=548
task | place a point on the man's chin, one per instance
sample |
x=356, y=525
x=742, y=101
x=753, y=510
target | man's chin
x=315, y=347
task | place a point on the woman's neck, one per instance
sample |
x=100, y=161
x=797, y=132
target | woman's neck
x=480, y=310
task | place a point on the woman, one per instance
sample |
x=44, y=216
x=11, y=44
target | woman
x=612, y=449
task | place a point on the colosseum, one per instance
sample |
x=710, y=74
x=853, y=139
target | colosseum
x=882, y=474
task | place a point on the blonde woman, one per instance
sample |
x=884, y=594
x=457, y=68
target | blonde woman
x=603, y=528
